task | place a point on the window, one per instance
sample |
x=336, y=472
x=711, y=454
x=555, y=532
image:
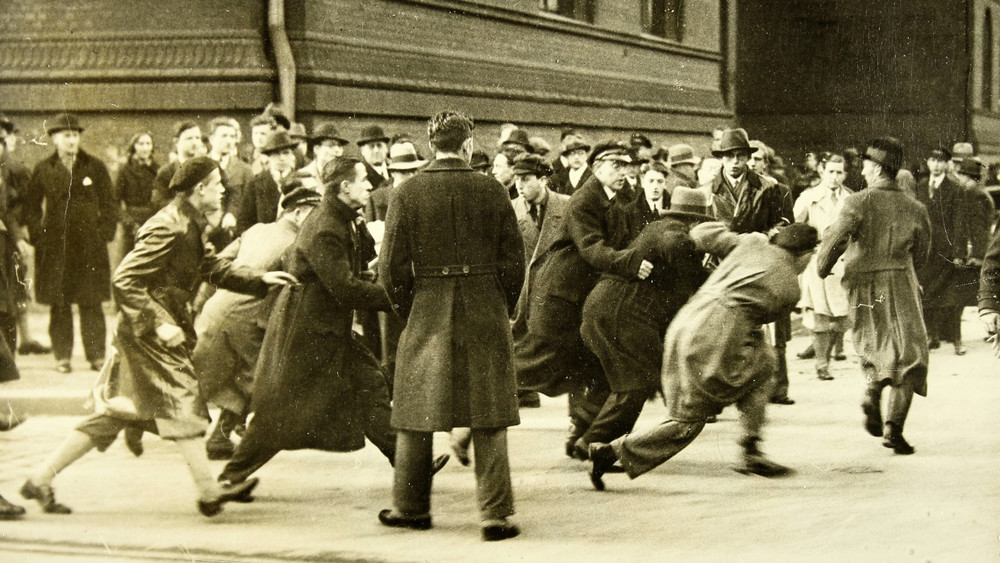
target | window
x=582, y=10
x=987, y=76
x=663, y=18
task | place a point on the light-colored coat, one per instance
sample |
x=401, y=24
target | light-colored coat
x=818, y=207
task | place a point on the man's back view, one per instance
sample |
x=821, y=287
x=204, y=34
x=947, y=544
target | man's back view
x=452, y=262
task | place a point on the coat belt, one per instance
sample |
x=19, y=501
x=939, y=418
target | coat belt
x=454, y=270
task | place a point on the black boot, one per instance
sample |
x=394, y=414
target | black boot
x=219, y=446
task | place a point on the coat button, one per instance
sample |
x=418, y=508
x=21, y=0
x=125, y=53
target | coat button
x=465, y=269
x=445, y=271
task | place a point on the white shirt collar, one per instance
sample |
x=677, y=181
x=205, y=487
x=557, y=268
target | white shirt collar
x=609, y=192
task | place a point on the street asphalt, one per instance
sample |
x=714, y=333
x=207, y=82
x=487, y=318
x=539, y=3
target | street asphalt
x=850, y=499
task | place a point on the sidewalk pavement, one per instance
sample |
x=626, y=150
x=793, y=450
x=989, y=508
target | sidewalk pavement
x=850, y=498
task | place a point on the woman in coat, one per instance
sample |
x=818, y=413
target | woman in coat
x=624, y=320
x=715, y=352
x=150, y=382
x=134, y=187
x=884, y=236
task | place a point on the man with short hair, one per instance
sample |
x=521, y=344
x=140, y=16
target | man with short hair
x=223, y=134
x=187, y=143
x=884, y=236
x=150, y=383
x=261, y=126
x=71, y=216
x=259, y=203
x=453, y=263
x=575, y=173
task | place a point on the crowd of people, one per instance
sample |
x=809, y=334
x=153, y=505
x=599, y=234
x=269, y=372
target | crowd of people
x=319, y=300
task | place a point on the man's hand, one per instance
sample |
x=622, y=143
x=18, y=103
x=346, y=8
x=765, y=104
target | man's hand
x=278, y=277
x=171, y=335
x=645, y=268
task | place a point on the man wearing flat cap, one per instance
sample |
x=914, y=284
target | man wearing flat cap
x=259, y=203
x=71, y=236
x=885, y=237
x=149, y=383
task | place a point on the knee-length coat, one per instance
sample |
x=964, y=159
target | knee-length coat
x=886, y=234
x=624, y=321
x=72, y=233
x=305, y=391
x=155, y=284
x=453, y=263
x=715, y=352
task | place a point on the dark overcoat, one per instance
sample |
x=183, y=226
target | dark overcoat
x=549, y=355
x=941, y=278
x=756, y=205
x=624, y=321
x=311, y=367
x=453, y=262
x=155, y=284
x=71, y=235
x=259, y=202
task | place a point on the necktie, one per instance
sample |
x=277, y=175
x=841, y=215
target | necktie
x=533, y=211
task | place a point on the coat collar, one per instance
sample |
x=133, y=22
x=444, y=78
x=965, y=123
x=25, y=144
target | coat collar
x=338, y=208
x=884, y=183
x=450, y=164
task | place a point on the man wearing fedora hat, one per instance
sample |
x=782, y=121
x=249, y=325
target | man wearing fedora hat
x=374, y=146
x=750, y=202
x=259, y=203
x=625, y=320
x=884, y=236
x=682, y=163
x=404, y=163
x=715, y=351
x=71, y=236
x=327, y=145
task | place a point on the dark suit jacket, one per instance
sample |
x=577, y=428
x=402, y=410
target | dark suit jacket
x=259, y=203
x=762, y=203
x=561, y=183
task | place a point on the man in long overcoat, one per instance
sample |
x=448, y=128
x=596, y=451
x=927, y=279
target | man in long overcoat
x=884, y=236
x=945, y=200
x=316, y=385
x=453, y=263
x=71, y=237
x=149, y=383
x=715, y=352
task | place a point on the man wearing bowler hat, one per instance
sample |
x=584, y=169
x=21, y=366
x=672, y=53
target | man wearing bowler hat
x=374, y=146
x=71, y=236
x=886, y=235
x=259, y=203
x=748, y=202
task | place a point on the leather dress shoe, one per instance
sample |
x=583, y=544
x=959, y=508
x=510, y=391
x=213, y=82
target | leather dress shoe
x=133, y=440
x=934, y=344
x=439, y=463
x=63, y=366
x=807, y=354
x=756, y=463
x=96, y=365
x=45, y=496
x=840, y=356
x=783, y=400
x=33, y=347
x=9, y=510
x=497, y=532
x=960, y=349
x=239, y=492
x=824, y=376
x=894, y=440
x=388, y=518
x=602, y=460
